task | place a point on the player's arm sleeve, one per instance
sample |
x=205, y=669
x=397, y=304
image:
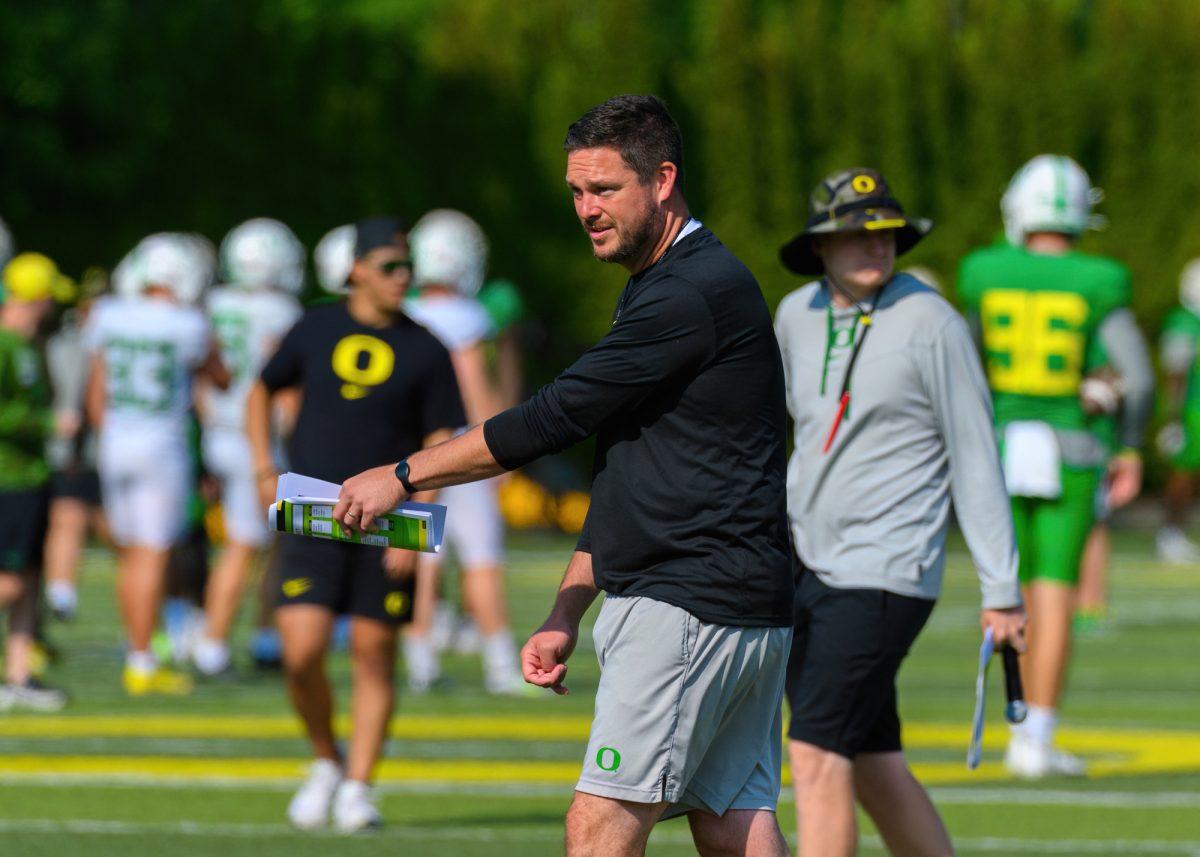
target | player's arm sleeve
x=1127, y=352
x=962, y=406
x=286, y=366
x=668, y=331
x=442, y=404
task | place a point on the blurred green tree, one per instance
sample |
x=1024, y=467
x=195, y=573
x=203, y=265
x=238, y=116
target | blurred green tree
x=121, y=117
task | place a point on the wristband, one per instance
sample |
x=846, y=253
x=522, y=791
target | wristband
x=402, y=475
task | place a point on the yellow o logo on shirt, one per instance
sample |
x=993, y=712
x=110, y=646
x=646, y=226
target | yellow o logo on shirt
x=362, y=361
x=863, y=183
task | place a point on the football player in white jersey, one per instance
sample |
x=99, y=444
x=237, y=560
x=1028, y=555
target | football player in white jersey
x=263, y=265
x=145, y=349
x=449, y=265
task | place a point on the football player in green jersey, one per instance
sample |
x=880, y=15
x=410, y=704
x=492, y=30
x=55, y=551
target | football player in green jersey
x=1180, y=438
x=1039, y=305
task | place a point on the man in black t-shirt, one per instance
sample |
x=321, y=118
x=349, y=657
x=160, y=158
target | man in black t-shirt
x=687, y=530
x=375, y=387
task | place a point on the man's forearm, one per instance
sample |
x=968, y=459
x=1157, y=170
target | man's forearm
x=576, y=592
x=465, y=458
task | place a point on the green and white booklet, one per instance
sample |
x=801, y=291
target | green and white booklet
x=304, y=507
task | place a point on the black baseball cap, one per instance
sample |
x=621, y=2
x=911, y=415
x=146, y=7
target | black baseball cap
x=373, y=232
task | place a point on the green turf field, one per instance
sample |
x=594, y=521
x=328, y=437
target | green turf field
x=470, y=775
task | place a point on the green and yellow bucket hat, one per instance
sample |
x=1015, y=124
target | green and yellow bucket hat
x=849, y=201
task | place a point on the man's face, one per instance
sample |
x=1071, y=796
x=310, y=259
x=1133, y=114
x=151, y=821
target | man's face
x=383, y=274
x=619, y=213
x=861, y=260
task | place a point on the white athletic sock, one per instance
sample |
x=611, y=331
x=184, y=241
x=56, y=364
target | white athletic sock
x=62, y=596
x=210, y=656
x=421, y=660
x=1039, y=724
x=142, y=662
x=500, y=653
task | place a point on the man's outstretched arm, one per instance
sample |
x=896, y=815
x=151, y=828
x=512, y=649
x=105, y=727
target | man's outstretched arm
x=368, y=495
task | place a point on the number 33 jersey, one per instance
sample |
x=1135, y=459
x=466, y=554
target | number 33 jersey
x=1039, y=318
x=150, y=349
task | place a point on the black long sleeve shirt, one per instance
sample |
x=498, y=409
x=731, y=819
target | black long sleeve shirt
x=686, y=398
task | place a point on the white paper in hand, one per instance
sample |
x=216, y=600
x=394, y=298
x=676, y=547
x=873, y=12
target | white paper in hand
x=295, y=487
x=975, y=751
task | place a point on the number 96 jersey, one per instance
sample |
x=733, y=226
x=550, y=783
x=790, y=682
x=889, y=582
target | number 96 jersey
x=1039, y=316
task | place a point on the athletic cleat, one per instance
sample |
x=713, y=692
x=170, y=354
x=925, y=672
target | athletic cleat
x=309, y=808
x=31, y=696
x=354, y=808
x=1032, y=760
x=1176, y=548
x=158, y=681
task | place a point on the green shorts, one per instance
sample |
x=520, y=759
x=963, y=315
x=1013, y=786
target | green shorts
x=1051, y=534
x=1188, y=458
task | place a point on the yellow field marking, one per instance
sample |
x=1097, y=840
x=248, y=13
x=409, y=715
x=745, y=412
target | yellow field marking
x=441, y=728
x=1110, y=752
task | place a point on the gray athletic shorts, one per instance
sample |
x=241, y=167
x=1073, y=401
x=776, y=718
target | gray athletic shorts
x=686, y=712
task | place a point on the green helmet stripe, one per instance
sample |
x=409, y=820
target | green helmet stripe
x=1060, y=184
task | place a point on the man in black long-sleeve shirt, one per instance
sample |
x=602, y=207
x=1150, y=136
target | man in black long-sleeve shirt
x=687, y=532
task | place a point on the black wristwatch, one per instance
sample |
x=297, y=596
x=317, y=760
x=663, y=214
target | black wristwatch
x=402, y=475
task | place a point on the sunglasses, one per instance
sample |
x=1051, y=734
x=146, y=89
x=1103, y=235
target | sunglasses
x=390, y=268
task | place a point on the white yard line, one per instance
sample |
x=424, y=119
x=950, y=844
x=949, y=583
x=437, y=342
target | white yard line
x=942, y=796
x=1187, y=848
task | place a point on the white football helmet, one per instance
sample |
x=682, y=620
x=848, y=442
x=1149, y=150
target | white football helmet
x=1051, y=193
x=7, y=246
x=176, y=261
x=261, y=254
x=449, y=249
x=1189, y=286
x=334, y=257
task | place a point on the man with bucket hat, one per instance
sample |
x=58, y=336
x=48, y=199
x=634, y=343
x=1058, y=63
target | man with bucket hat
x=892, y=421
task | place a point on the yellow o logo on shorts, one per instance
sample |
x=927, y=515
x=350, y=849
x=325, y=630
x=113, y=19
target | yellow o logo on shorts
x=394, y=603
x=348, y=363
x=863, y=183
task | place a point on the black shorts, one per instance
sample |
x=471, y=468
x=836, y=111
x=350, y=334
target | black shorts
x=23, y=523
x=82, y=485
x=841, y=677
x=346, y=578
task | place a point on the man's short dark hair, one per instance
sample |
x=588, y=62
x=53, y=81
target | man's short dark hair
x=637, y=126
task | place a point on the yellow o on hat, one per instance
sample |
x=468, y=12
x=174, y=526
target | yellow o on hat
x=863, y=183
x=33, y=277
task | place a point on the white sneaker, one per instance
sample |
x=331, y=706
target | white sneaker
x=31, y=696
x=508, y=684
x=1176, y=548
x=309, y=808
x=354, y=807
x=1033, y=760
